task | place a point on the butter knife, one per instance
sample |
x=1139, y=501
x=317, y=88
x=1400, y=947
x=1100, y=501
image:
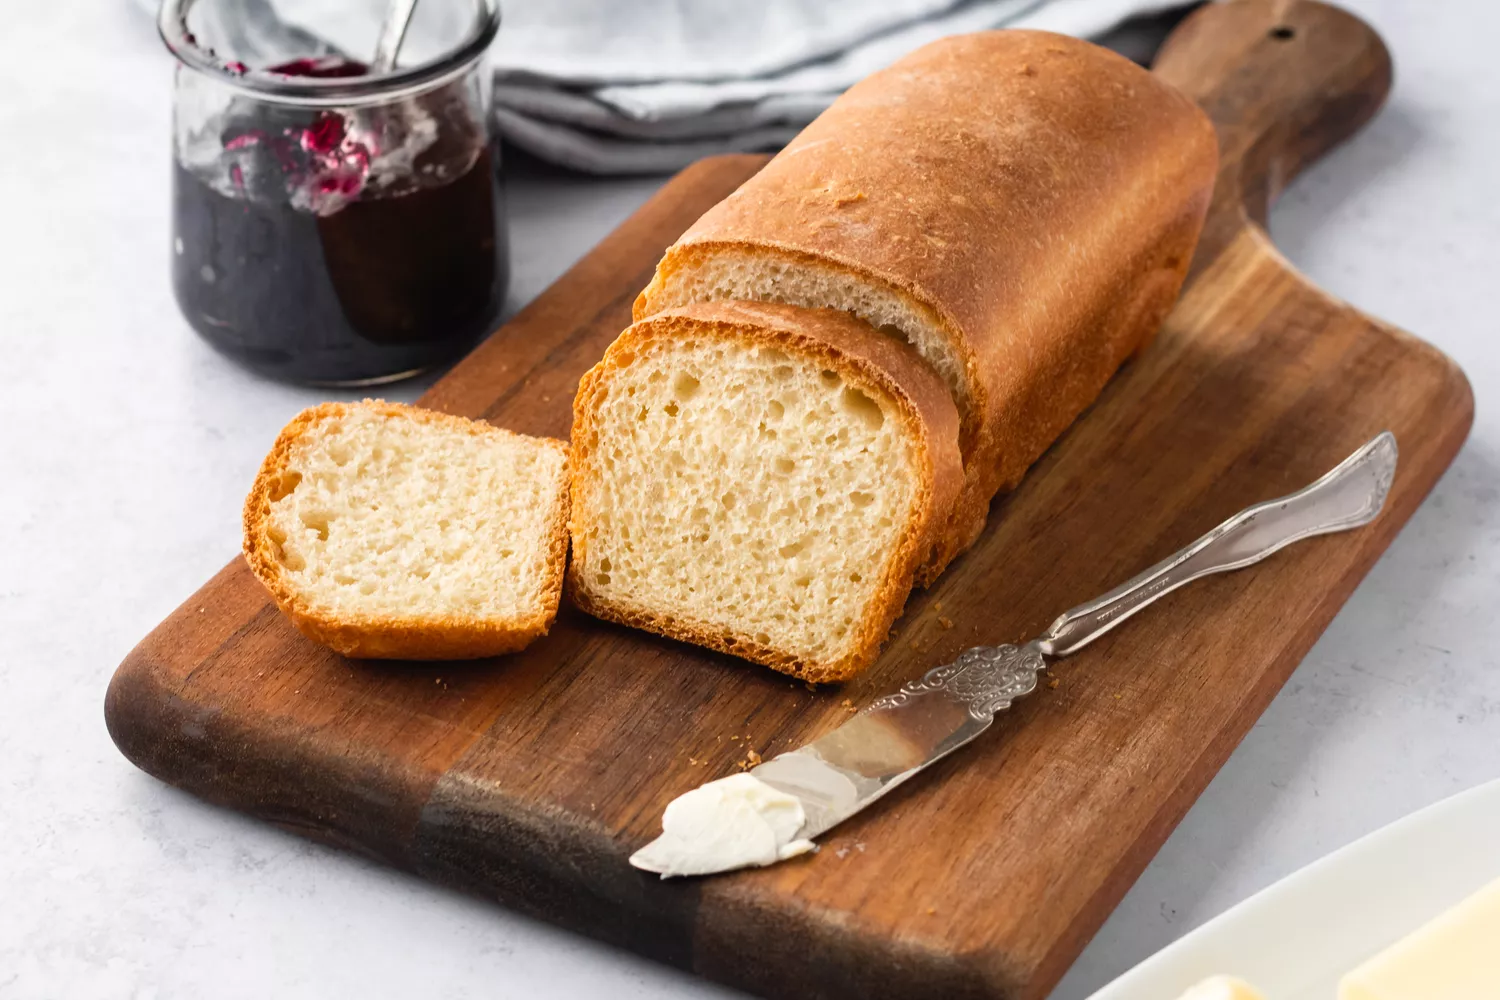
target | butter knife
x=898, y=735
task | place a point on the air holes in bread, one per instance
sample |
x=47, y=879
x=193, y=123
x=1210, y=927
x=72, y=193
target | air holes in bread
x=316, y=520
x=284, y=485
x=685, y=387
x=857, y=403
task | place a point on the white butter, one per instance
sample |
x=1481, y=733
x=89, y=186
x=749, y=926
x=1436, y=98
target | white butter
x=1222, y=988
x=735, y=822
x=1454, y=957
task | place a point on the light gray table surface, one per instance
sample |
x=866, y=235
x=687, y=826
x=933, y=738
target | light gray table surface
x=127, y=447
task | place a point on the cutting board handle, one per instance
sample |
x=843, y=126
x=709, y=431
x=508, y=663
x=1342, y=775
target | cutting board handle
x=1284, y=81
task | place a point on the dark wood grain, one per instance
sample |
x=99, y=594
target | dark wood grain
x=530, y=779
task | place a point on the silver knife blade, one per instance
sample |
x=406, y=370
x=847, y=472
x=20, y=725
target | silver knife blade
x=898, y=735
x=839, y=774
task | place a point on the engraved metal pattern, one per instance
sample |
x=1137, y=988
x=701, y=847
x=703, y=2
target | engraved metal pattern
x=985, y=679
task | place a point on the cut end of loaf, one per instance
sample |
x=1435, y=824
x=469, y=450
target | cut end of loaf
x=387, y=531
x=751, y=489
x=727, y=272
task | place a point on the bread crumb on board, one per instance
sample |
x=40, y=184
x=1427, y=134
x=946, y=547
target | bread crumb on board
x=848, y=705
x=945, y=622
x=1052, y=684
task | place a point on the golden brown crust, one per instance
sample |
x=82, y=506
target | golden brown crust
x=438, y=637
x=866, y=359
x=1039, y=195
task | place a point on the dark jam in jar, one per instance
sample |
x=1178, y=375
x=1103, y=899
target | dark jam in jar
x=305, y=256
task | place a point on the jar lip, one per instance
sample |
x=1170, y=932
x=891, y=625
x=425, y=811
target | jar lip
x=171, y=23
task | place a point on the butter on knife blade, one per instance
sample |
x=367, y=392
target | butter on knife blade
x=735, y=822
x=775, y=810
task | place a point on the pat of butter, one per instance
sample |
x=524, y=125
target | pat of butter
x=1454, y=957
x=1222, y=988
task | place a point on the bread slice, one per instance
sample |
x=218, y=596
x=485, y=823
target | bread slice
x=392, y=532
x=760, y=479
x=1019, y=206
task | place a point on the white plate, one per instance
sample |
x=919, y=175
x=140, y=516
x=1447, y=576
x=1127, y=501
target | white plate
x=1293, y=940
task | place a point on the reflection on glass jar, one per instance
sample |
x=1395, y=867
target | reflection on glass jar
x=332, y=226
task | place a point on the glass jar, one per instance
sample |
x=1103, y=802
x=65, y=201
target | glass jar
x=332, y=226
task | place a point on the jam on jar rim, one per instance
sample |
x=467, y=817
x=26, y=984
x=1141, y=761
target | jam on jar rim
x=314, y=89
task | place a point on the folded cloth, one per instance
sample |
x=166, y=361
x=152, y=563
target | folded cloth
x=663, y=83
x=643, y=86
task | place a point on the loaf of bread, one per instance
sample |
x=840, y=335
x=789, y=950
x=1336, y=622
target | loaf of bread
x=1019, y=206
x=762, y=480
x=387, y=531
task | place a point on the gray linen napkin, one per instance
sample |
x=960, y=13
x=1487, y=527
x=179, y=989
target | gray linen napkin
x=637, y=86
x=699, y=89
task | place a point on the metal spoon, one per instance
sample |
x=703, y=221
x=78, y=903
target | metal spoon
x=392, y=33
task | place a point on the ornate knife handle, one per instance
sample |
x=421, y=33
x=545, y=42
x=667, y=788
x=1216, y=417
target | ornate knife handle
x=986, y=679
x=1349, y=496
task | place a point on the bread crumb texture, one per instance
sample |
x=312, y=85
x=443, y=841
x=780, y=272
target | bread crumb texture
x=729, y=273
x=371, y=518
x=760, y=495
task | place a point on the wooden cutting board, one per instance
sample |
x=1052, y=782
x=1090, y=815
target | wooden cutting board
x=531, y=778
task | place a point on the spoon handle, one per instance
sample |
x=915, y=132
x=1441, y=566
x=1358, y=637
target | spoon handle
x=392, y=33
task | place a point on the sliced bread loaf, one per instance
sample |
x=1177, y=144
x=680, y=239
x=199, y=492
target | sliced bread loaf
x=393, y=532
x=760, y=479
x=1019, y=206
